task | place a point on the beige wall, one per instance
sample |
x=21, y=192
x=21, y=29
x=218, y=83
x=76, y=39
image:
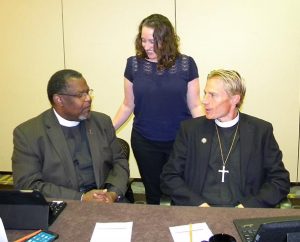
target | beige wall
x=260, y=39
x=30, y=51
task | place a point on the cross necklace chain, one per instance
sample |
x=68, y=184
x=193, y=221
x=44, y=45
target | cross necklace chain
x=223, y=171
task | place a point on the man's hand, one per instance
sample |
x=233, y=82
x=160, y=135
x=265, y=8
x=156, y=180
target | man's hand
x=204, y=205
x=102, y=196
x=240, y=206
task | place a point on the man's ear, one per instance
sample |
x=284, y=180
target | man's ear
x=236, y=99
x=57, y=100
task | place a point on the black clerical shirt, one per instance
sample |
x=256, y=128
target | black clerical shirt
x=227, y=193
x=79, y=148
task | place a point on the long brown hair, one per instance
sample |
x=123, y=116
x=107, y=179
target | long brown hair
x=166, y=41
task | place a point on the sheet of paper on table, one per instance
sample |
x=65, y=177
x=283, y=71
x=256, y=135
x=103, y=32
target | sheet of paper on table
x=113, y=232
x=3, y=237
x=199, y=232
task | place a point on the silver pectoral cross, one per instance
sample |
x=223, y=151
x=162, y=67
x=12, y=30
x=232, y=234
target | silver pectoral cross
x=223, y=171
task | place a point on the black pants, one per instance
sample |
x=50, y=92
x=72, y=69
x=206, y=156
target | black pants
x=150, y=157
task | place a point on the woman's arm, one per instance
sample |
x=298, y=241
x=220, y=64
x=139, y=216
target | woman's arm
x=193, y=98
x=126, y=108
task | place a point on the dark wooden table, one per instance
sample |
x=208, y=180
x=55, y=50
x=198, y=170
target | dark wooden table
x=150, y=222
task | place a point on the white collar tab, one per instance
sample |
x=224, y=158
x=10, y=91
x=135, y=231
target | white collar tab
x=228, y=124
x=65, y=122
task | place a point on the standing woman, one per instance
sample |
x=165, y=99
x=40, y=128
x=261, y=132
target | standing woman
x=161, y=88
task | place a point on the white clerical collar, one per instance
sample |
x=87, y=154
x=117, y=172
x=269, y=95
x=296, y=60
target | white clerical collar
x=228, y=124
x=64, y=122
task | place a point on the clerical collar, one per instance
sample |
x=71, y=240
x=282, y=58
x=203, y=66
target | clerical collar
x=64, y=122
x=228, y=124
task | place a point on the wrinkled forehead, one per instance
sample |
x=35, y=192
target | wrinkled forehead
x=76, y=84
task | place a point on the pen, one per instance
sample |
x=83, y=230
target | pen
x=191, y=233
x=28, y=236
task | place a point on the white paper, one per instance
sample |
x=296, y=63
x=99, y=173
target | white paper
x=3, y=237
x=112, y=232
x=200, y=231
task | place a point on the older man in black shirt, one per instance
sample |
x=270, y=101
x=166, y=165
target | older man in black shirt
x=225, y=158
x=69, y=151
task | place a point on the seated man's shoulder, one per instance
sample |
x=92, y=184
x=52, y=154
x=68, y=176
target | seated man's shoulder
x=100, y=116
x=255, y=120
x=35, y=122
x=194, y=122
x=101, y=119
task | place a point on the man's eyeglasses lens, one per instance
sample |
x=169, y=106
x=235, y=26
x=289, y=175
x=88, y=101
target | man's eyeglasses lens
x=81, y=95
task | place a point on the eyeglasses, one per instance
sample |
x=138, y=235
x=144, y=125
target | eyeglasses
x=81, y=95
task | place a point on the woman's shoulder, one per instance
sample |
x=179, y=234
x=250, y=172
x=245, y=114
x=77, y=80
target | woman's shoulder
x=186, y=62
x=184, y=57
x=131, y=57
x=134, y=60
